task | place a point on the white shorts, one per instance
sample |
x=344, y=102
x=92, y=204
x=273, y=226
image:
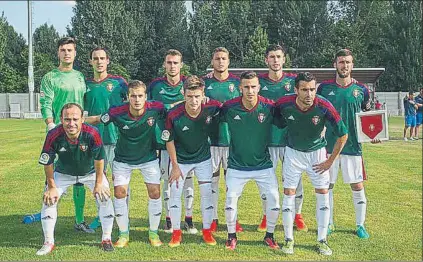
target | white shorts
x=276, y=153
x=164, y=164
x=236, y=180
x=121, y=172
x=219, y=156
x=352, y=168
x=295, y=162
x=110, y=155
x=63, y=181
x=202, y=170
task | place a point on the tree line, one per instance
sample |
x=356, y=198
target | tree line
x=137, y=33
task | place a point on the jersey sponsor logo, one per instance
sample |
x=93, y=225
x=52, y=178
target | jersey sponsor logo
x=125, y=127
x=265, y=88
x=209, y=87
x=315, y=120
x=150, y=121
x=162, y=91
x=331, y=93
x=44, y=158
x=356, y=92
x=62, y=149
x=291, y=117
x=83, y=147
x=231, y=87
x=185, y=128
x=237, y=117
x=165, y=135
x=110, y=87
x=287, y=86
x=105, y=118
x=42, y=94
x=261, y=117
x=208, y=120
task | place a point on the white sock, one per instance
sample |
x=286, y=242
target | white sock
x=360, y=205
x=215, y=195
x=322, y=215
x=121, y=214
x=106, y=214
x=263, y=203
x=288, y=207
x=175, y=204
x=299, y=197
x=166, y=195
x=189, y=194
x=331, y=206
x=206, y=204
x=48, y=221
x=231, y=213
x=154, y=213
x=128, y=198
x=273, y=209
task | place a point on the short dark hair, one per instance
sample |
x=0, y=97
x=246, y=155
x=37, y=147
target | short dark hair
x=173, y=52
x=134, y=84
x=193, y=82
x=65, y=41
x=275, y=47
x=248, y=75
x=304, y=76
x=70, y=105
x=342, y=52
x=98, y=48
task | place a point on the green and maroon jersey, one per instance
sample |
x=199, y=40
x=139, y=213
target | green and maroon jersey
x=222, y=91
x=59, y=88
x=348, y=101
x=191, y=135
x=250, y=133
x=100, y=96
x=304, y=128
x=274, y=90
x=137, y=140
x=75, y=158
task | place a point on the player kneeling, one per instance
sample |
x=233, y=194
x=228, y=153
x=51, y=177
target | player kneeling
x=80, y=160
x=186, y=134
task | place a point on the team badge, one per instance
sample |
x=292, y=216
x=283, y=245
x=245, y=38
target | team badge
x=371, y=127
x=150, y=121
x=315, y=120
x=110, y=87
x=355, y=92
x=105, y=118
x=44, y=158
x=261, y=117
x=208, y=120
x=231, y=87
x=83, y=147
x=165, y=135
x=288, y=86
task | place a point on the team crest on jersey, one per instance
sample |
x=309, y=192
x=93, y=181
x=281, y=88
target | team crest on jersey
x=356, y=92
x=261, y=117
x=150, y=121
x=110, y=87
x=44, y=158
x=231, y=87
x=105, y=118
x=208, y=120
x=287, y=86
x=83, y=147
x=315, y=120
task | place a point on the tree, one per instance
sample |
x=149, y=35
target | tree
x=45, y=41
x=257, y=45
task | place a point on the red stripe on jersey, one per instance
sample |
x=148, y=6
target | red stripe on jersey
x=266, y=101
x=290, y=75
x=232, y=102
x=288, y=99
x=154, y=105
x=232, y=76
x=328, y=81
x=326, y=104
x=94, y=134
x=212, y=102
x=119, y=110
x=119, y=78
x=52, y=136
x=174, y=113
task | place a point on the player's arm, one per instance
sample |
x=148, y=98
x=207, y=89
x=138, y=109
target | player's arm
x=51, y=195
x=92, y=120
x=365, y=106
x=100, y=192
x=46, y=101
x=278, y=118
x=167, y=135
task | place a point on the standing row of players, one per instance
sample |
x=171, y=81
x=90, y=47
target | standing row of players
x=220, y=86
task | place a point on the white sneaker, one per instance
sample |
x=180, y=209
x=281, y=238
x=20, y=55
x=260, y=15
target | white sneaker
x=405, y=139
x=45, y=249
x=416, y=138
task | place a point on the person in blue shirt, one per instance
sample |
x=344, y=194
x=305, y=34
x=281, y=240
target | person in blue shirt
x=410, y=107
x=419, y=116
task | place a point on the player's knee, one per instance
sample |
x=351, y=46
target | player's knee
x=120, y=192
x=321, y=190
x=154, y=191
x=231, y=203
x=357, y=186
x=272, y=198
x=289, y=191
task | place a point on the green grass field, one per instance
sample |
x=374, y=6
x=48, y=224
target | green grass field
x=394, y=214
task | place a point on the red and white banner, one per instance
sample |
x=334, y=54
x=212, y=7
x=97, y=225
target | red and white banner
x=371, y=125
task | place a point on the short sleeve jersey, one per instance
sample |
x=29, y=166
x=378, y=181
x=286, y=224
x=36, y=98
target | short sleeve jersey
x=75, y=158
x=100, y=96
x=137, y=141
x=304, y=128
x=348, y=101
x=419, y=100
x=190, y=135
x=250, y=133
x=274, y=90
x=409, y=108
x=59, y=88
x=222, y=91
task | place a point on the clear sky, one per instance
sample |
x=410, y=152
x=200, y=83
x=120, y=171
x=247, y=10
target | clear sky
x=56, y=13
